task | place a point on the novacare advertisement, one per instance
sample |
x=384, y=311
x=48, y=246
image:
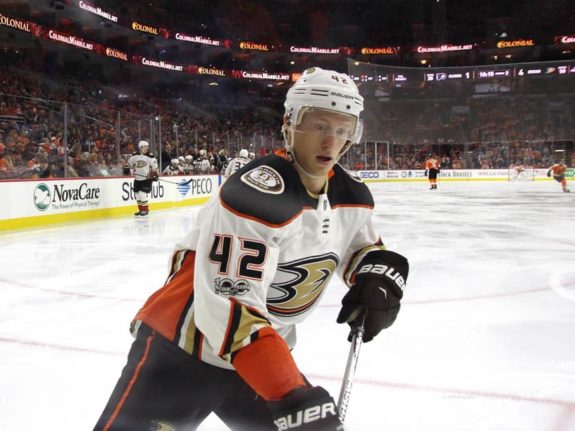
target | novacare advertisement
x=63, y=199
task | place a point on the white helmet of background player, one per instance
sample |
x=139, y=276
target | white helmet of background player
x=244, y=153
x=202, y=153
x=252, y=156
x=188, y=158
x=143, y=145
x=323, y=89
x=175, y=162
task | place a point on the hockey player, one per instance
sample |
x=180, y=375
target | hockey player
x=173, y=168
x=558, y=172
x=217, y=336
x=203, y=163
x=144, y=166
x=188, y=165
x=432, y=168
x=236, y=164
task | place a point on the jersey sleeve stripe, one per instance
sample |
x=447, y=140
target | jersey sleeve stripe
x=243, y=322
x=349, y=274
x=233, y=324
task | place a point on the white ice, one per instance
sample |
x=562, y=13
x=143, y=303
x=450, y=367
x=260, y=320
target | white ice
x=485, y=339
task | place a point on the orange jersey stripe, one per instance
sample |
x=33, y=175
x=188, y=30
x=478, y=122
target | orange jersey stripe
x=267, y=365
x=164, y=309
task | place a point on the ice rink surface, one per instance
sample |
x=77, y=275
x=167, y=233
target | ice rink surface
x=485, y=339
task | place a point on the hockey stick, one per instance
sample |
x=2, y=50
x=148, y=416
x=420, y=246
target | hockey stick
x=166, y=181
x=345, y=392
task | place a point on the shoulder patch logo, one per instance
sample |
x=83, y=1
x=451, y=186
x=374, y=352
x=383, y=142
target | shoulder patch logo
x=264, y=179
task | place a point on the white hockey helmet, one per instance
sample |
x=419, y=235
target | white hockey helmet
x=202, y=152
x=181, y=159
x=244, y=153
x=175, y=162
x=143, y=144
x=188, y=158
x=252, y=156
x=324, y=89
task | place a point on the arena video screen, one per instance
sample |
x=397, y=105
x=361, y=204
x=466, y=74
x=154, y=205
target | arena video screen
x=476, y=117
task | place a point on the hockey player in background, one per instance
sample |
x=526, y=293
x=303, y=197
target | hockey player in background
x=144, y=166
x=558, y=171
x=236, y=164
x=432, y=168
x=173, y=168
x=217, y=337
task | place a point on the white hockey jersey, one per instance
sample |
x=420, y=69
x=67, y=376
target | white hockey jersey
x=142, y=165
x=259, y=257
x=235, y=165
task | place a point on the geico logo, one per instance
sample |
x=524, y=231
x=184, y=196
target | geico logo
x=311, y=414
x=201, y=186
x=369, y=174
x=381, y=269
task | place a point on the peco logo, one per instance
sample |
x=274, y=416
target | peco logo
x=369, y=174
x=198, y=186
x=42, y=197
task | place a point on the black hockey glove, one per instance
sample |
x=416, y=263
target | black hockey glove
x=426, y=172
x=306, y=409
x=549, y=173
x=377, y=292
x=438, y=170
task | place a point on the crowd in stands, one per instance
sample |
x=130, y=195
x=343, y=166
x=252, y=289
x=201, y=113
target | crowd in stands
x=103, y=124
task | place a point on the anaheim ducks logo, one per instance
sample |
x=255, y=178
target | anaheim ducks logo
x=301, y=284
x=264, y=178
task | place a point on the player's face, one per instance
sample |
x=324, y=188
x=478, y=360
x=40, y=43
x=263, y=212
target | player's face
x=319, y=138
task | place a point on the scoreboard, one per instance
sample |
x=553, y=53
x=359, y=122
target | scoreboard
x=365, y=72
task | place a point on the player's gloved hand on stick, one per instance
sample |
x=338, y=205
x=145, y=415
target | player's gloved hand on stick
x=377, y=292
x=154, y=176
x=306, y=409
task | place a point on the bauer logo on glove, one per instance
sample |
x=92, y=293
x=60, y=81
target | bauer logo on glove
x=377, y=292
